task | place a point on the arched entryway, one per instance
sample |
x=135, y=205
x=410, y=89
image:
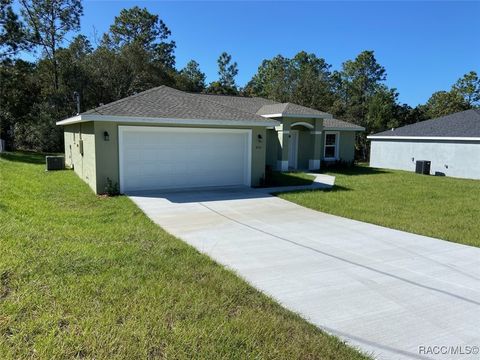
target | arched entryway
x=300, y=146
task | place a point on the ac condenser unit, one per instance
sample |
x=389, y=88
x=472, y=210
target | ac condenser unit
x=55, y=163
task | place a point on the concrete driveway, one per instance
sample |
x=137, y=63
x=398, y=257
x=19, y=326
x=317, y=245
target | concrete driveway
x=392, y=294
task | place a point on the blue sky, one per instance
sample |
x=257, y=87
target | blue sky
x=424, y=46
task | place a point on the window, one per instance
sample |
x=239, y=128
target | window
x=331, y=145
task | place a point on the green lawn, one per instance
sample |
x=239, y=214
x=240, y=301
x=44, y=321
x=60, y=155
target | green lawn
x=441, y=207
x=83, y=276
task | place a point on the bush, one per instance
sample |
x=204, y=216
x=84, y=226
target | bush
x=111, y=189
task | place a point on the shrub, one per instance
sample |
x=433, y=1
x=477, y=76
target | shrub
x=111, y=188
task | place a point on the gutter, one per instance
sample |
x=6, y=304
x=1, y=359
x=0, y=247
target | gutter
x=166, y=121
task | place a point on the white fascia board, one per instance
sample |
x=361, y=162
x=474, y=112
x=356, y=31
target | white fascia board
x=71, y=120
x=343, y=129
x=165, y=121
x=299, y=116
x=438, y=138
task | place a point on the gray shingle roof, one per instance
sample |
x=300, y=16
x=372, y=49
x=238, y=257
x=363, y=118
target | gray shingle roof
x=165, y=102
x=286, y=109
x=263, y=106
x=340, y=124
x=248, y=104
x=461, y=124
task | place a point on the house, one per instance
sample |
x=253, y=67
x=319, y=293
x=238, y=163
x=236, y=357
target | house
x=451, y=143
x=166, y=138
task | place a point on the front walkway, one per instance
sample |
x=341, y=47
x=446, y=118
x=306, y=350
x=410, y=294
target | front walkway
x=386, y=291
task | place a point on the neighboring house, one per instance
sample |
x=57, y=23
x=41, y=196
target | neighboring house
x=166, y=138
x=451, y=143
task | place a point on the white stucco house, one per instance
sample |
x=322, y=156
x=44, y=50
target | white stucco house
x=451, y=143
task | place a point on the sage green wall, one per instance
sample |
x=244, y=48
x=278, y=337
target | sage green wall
x=100, y=160
x=84, y=166
x=107, y=154
x=346, y=151
x=258, y=155
x=347, y=145
x=107, y=161
x=272, y=150
x=305, y=148
x=278, y=142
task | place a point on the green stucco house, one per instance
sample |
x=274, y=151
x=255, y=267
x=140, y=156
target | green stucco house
x=164, y=138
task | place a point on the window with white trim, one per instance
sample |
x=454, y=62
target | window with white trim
x=331, y=146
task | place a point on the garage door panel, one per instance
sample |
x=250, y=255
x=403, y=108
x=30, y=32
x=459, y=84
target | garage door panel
x=156, y=158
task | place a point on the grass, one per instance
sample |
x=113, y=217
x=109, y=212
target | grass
x=277, y=178
x=440, y=207
x=83, y=276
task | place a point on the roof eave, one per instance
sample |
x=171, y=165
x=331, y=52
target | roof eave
x=439, y=138
x=299, y=116
x=338, y=128
x=165, y=121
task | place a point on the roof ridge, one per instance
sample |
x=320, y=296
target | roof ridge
x=225, y=106
x=196, y=95
x=145, y=92
x=259, y=97
x=234, y=96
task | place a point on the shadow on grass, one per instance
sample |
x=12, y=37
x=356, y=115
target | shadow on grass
x=276, y=179
x=353, y=170
x=25, y=157
x=335, y=188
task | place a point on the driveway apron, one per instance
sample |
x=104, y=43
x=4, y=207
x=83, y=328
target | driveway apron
x=392, y=294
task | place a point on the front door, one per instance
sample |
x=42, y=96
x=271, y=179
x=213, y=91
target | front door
x=293, y=149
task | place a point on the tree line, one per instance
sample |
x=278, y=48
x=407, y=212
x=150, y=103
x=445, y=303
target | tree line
x=137, y=53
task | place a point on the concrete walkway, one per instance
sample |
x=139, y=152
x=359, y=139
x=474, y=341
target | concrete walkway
x=321, y=181
x=388, y=292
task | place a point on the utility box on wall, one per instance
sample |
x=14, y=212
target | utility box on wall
x=80, y=146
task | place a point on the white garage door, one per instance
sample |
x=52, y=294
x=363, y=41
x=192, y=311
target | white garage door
x=162, y=157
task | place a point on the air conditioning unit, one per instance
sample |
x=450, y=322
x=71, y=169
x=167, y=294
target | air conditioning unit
x=55, y=163
x=422, y=167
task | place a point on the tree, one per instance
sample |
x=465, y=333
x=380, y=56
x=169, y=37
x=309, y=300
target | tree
x=311, y=81
x=361, y=92
x=382, y=110
x=75, y=75
x=227, y=72
x=47, y=24
x=305, y=79
x=407, y=115
x=273, y=80
x=138, y=27
x=19, y=91
x=468, y=87
x=191, y=78
x=12, y=33
x=443, y=103
x=360, y=79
